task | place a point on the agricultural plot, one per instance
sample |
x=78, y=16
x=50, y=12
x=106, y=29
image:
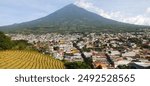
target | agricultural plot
x=16, y=59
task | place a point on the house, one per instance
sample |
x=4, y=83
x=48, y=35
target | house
x=114, y=53
x=58, y=55
x=129, y=54
x=98, y=56
x=88, y=54
x=121, y=62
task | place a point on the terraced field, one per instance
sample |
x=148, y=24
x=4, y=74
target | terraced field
x=16, y=59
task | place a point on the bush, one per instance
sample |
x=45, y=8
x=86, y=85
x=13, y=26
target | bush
x=5, y=42
x=76, y=65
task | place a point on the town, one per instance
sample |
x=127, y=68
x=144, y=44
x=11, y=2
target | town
x=107, y=50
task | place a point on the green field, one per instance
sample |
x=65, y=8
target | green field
x=16, y=59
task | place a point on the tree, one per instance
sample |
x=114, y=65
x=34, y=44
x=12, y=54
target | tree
x=123, y=66
x=56, y=48
x=22, y=45
x=76, y=65
x=5, y=42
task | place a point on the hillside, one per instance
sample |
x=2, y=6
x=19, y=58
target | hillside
x=15, y=59
x=71, y=18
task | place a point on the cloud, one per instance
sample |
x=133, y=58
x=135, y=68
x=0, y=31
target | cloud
x=138, y=19
x=83, y=3
x=148, y=10
x=89, y=6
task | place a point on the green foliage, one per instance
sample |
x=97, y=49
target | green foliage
x=145, y=46
x=86, y=49
x=135, y=40
x=76, y=65
x=22, y=45
x=56, y=48
x=123, y=67
x=5, y=42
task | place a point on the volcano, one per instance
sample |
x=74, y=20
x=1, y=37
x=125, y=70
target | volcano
x=71, y=18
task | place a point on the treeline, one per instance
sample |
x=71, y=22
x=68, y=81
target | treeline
x=7, y=44
x=70, y=29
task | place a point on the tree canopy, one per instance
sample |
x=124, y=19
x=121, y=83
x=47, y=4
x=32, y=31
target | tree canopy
x=5, y=42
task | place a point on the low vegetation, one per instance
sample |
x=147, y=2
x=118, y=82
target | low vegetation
x=21, y=59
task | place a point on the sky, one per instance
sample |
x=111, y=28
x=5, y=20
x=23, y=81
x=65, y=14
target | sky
x=128, y=11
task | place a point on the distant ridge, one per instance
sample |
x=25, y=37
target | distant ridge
x=71, y=18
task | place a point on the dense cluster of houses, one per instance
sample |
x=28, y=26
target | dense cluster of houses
x=131, y=49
